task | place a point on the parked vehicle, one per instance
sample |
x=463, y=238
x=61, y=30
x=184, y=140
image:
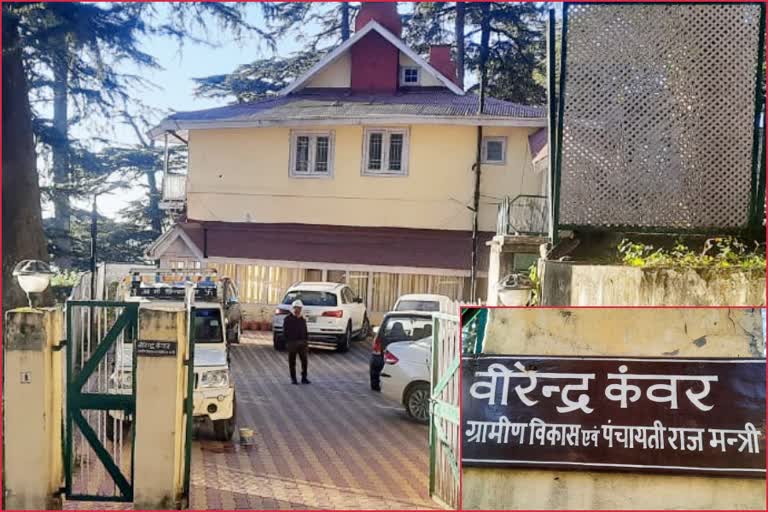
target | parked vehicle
x=335, y=315
x=396, y=326
x=232, y=311
x=421, y=302
x=405, y=377
x=209, y=287
x=214, y=389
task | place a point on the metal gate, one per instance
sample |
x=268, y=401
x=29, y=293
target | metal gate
x=444, y=438
x=100, y=400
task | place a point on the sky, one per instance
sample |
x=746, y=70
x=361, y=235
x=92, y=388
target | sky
x=173, y=90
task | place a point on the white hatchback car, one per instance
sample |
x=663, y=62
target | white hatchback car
x=405, y=377
x=335, y=315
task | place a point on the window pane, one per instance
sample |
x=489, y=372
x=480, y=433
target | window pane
x=208, y=326
x=405, y=328
x=302, y=154
x=313, y=275
x=411, y=75
x=384, y=291
x=321, y=155
x=336, y=276
x=311, y=298
x=395, y=151
x=494, y=151
x=358, y=281
x=374, y=150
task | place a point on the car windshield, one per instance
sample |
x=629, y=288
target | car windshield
x=405, y=328
x=208, y=326
x=418, y=305
x=311, y=298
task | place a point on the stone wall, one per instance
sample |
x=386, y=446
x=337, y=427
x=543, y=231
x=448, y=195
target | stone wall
x=666, y=332
x=578, y=284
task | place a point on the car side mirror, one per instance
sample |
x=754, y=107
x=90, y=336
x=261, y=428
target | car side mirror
x=376, y=329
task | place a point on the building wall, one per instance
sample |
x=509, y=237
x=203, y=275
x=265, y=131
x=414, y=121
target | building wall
x=425, y=80
x=242, y=175
x=617, y=332
x=338, y=74
x=262, y=286
x=374, y=64
x=335, y=75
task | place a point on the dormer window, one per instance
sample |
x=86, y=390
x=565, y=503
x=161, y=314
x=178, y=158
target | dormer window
x=409, y=75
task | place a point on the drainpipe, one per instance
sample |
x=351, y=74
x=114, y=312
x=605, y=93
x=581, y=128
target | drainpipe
x=552, y=126
x=484, y=39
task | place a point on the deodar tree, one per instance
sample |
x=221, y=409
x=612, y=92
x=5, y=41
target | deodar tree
x=68, y=57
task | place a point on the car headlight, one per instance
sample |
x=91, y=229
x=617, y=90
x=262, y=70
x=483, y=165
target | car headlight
x=214, y=379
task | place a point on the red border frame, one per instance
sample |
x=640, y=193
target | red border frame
x=553, y=307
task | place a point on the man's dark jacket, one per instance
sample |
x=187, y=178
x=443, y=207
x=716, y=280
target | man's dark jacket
x=294, y=330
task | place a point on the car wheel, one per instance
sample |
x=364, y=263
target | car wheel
x=345, y=343
x=235, y=334
x=417, y=402
x=278, y=342
x=225, y=429
x=365, y=330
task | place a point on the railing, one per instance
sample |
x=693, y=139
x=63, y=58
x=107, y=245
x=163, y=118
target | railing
x=523, y=215
x=174, y=190
x=444, y=436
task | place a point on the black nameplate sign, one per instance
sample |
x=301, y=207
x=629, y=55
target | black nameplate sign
x=154, y=348
x=704, y=416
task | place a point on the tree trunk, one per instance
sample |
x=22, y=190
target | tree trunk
x=485, y=35
x=155, y=213
x=23, y=236
x=344, y=21
x=60, y=149
x=459, y=35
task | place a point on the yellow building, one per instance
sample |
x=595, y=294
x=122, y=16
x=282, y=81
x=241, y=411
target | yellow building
x=360, y=171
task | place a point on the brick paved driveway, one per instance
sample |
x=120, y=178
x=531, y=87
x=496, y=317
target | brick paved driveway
x=332, y=444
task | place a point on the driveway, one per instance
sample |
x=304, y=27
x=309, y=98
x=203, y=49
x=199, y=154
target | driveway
x=332, y=444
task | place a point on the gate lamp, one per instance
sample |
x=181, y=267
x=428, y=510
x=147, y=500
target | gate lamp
x=33, y=276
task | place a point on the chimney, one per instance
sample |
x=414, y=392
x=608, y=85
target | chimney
x=385, y=13
x=440, y=59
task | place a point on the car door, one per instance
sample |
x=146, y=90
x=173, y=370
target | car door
x=358, y=309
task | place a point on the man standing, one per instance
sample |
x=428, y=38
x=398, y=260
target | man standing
x=295, y=332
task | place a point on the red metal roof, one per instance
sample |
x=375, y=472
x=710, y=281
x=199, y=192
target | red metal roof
x=396, y=247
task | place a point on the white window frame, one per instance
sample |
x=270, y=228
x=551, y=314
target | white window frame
x=402, y=75
x=313, y=135
x=503, y=141
x=386, y=132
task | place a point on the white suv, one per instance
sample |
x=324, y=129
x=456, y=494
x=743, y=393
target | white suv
x=335, y=315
